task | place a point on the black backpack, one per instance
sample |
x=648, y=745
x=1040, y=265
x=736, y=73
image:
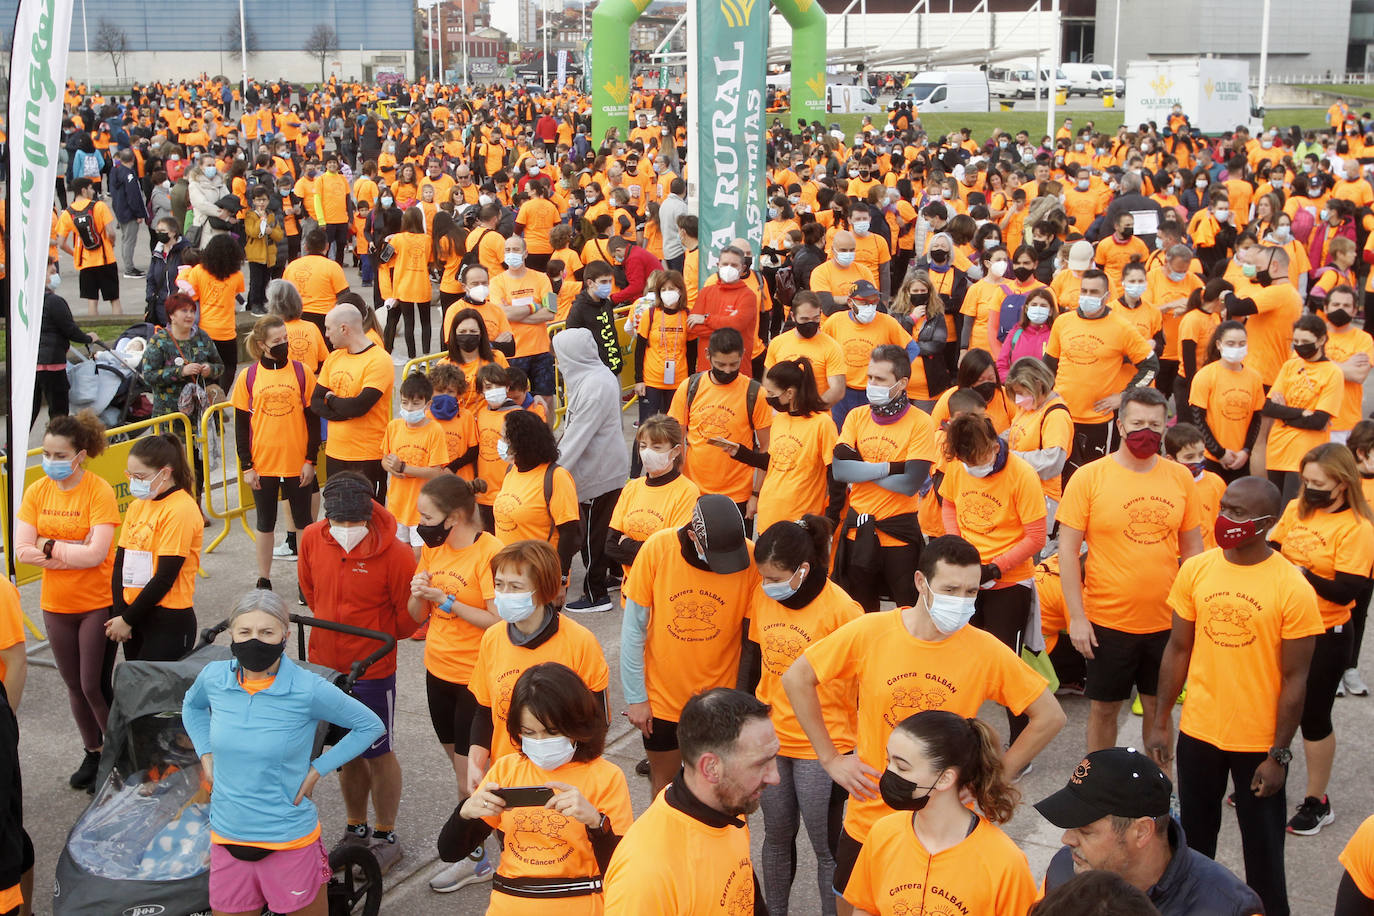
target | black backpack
x=84, y=223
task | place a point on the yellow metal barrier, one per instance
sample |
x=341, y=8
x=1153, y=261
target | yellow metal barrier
x=110, y=466
x=227, y=479
x=627, y=368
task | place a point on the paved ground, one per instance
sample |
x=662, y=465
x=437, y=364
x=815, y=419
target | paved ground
x=50, y=751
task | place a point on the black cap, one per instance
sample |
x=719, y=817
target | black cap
x=1118, y=781
x=720, y=532
x=862, y=289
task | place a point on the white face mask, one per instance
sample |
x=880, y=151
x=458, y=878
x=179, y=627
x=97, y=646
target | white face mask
x=514, y=607
x=1234, y=354
x=1090, y=305
x=348, y=538
x=950, y=613
x=860, y=227
x=55, y=282
x=478, y=293
x=844, y=258
x=670, y=296
x=729, y=273
x=548, y=753
x=1134, y=290
x=1222, y=214
x=1038, y=314
x=495, y=398
x=865, y=314
x=878, y=395
x=998, y=268
x=979, y=470
x=654, y=461
x=413, y=417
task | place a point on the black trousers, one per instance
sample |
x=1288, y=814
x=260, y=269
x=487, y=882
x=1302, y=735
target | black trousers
x=895, y=578
x=229, y=355
x=1202, y=773
x=337, y=234
x=596, y=522
x=52, y=386
x=368, y=467
x=163, y=635
x=1358, y=615
x=1164, y=381
x=1091, y=441
x=258, y=275
x=1003, y=612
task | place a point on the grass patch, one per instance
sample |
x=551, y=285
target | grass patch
x=1355, y=91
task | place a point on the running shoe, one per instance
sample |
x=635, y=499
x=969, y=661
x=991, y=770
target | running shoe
x=1353, y=683
x=589, y=605
x=474, y=869
x=1313, y=814
x=284, y=551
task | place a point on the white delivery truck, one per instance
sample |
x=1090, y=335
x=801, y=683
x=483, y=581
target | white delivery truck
x=1213, y=92
x=850, y=100
x=947, y=90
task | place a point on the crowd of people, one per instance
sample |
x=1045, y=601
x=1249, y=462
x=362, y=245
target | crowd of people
x=1003, y=418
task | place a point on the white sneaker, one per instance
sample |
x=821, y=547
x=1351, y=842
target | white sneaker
x=1354, y=684
x=464, y=872
x=283, y=551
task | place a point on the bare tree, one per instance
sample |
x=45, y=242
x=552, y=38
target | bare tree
x=236, y=44
x=111, y=39
x=323, y=41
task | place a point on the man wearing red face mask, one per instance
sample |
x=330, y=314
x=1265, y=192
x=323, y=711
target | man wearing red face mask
x=1245, y=623
x=1139, y=513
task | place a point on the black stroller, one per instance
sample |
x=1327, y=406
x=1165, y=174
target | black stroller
x=143, y=844
x=110, y=382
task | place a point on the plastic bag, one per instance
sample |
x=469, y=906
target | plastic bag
x=145, y=829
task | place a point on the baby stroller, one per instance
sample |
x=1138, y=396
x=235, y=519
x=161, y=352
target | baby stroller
x=143, y=843
x=110, y=381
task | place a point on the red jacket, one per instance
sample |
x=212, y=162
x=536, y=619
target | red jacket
x=732, y=305
x=368, y=587
x=639, y=263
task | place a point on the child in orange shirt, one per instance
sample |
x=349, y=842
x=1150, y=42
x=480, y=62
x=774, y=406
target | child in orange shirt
x=360, y=247
x=459, y=426
x=1183, y=443
x=414, y=449
x=518, y=390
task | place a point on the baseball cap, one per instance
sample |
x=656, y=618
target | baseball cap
x=1118, y=781
x=1081, y=255
x=862, y=289
x=720, y=533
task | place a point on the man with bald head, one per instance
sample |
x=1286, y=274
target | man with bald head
x=1244, y=626
x=726, y=301
x=839, y=274
x=1268, y=304
x=354, y=395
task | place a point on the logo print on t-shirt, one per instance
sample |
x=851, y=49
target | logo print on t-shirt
x=1228, y=620
x=856, y=351
x=714, y=421
x=504, y=508
x=977, y=511
x=694, y=618
x=1236, y=404
x=782, y=644
x=538, y=837
x=1083, y=349
x=737, y=899
x=783, y=452
x=909, y=700
x=911, y=905
x=1148, y=520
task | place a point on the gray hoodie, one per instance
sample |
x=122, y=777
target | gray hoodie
x=593, y=444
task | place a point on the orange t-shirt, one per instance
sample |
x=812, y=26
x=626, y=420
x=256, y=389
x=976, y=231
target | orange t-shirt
x=104, y=221
x=493, y=316
x=410, y=268
x=1326, y=543
x=1241, y=614
x=1031, y=431
x=500, y=663
x=529, y=290
x=1308, y=386
x=538, y=216
x=69, y=515
x=1197, y=326
x=782, y=634
x=452, y=643
x=800, y=450
x=1113, y=256
x=1230, y=399
x=665, y=342
x=318, y=279
x=1160, y=290
x=993, y=511
x=1358, y=857
x=347, y=374
x=1210, y=487
x=522, y=513
x=1132, y=520
x=910, y=438
x=900, y=675
x=171, y=526
x=985, y=872
x=1270, y=331
x=306, y=344
x=858, y=340
x=1341, y=344
x=423, y=446
x=696, y=620
x=460, y=433
x=1049, y=591
x=720, y=411
x=826, y=357
x=644, y=508
x=11, y=620
x=216, y=298
x=277, y=418
x=1090, y=353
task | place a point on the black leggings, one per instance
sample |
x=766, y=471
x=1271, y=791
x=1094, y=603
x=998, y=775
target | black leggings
x=451, y=708
x=1164, y=381
x=229, y=355
x=894, y=577
x=1358, y=615
x=163, y=635
x=272, y=489
x=1330, y=654
x=407, y=311
x=1003, y=612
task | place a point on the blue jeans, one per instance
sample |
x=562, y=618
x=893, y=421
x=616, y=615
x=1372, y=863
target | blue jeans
x=853, y=397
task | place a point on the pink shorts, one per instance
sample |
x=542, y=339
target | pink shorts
x=285, y=881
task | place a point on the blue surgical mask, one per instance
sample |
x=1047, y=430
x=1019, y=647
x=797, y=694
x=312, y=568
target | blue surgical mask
x=1134, y=290
x=548, y=753
x=444, y=407
x=781, y=591
x=1090, y=305
x=59, y=469
x=603, y=290
x=140, y=489
x=844, y=258
x=514, y=607
x=514, y=259
x=413, y=417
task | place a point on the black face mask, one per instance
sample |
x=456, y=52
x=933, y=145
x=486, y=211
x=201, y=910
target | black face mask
x=432, y=535
x=775, y=403
x=468, y=341
x=1305, y=350
x=1318, y=499
x=938, y=256
x=808, y=329
x=986, y=390
x=1022, y=273
x=556, y=285
x=1263, y=277
x=1127, y=232
x=1339, y=318
x=256, y=655
x=724, y=378
x=1040, y=244
x=162, y=237
x=900, y=794
x=280, y=352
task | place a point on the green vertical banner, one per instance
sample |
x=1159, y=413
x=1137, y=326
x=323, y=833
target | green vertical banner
x=728, y=149
x=807, y=20
x=611, y=21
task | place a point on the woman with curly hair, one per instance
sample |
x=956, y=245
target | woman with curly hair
x=538, y=499
x=217, y=281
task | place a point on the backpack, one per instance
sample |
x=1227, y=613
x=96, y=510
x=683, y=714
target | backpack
x=83, y=221
x=470, y=257
x=1010, y=312
x=751, y=398
x=252, y=377
x=1316, y=295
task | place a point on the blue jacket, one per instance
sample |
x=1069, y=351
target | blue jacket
x=126, y=195
x=262, y=742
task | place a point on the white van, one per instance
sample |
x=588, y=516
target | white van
x=850, y=99
x=1005, y=83
x=1092, y=79
x=947, y=90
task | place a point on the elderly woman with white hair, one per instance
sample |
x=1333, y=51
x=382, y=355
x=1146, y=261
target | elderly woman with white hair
x=253, y=720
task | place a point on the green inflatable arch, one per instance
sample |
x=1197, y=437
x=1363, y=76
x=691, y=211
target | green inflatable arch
x=611, y=21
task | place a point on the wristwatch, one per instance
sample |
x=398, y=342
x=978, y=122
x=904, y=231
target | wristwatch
x=1282, y=755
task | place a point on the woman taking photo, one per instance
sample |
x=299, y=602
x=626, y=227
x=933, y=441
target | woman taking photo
x=537, y=498
x=276, y=436
x=404, y=282
x=797, y=605
x=994, y=500
x=529, y=599
x=1328, y=533
x=452, y=589
x=470, y=349
x=661, y=498
x=1027, y=340
x=253, y=721
x=1041, y=433
x=1305, y=397
x=796, y=464
x=1226, y=398
x=66, y=527
x=559, y=728
x=934, y=759
x=154, y=575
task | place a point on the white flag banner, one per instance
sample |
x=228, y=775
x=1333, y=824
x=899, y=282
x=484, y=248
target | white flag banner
x=38, y=76
x=562, y=69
